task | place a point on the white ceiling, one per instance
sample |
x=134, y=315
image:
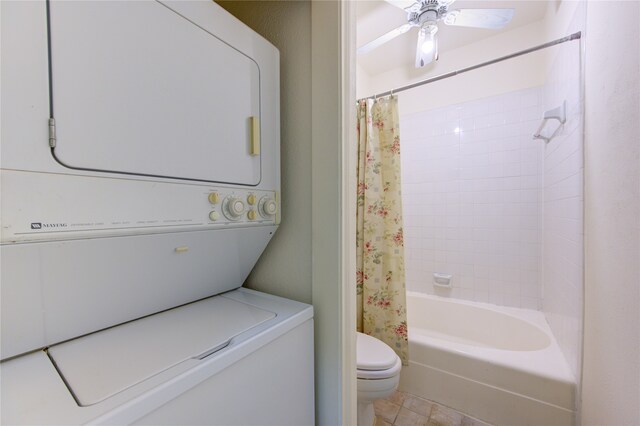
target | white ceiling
x=376, y=17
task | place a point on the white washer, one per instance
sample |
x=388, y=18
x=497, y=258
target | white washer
x=161, y=369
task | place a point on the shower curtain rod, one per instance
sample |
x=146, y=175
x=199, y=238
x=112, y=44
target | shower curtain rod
x=574, y=36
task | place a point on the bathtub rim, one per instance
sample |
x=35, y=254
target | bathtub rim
x=521, y=318
x=533, y=371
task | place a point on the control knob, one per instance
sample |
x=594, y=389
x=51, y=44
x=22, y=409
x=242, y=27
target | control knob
x=267, y=207
x=214, y=197
x=233, y=207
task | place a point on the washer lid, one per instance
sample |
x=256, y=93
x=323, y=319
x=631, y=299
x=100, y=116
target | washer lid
x=373, y=354
x=102, y=364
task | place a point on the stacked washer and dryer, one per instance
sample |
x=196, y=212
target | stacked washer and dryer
x=140, y=183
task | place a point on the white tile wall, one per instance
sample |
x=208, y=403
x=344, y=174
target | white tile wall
x=563, y=238
x=472, y=199
x=499, y=211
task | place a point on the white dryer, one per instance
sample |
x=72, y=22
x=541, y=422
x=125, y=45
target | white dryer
x=140, y=183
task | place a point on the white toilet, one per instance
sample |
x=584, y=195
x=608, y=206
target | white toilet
x=378, y=375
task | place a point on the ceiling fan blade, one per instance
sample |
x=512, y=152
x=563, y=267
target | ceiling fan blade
x=402, y=4
x=383, y=39
x=479, y=18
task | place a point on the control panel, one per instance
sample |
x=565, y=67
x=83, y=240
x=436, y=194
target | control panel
x=49, y=209
x=243, y=206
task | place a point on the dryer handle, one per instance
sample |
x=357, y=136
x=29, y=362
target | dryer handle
x=255, y=135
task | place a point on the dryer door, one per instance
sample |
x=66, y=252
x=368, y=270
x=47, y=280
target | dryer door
x=139, y=89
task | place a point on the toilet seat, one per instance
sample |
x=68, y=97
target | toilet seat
x=375, y=359
x=380, y=374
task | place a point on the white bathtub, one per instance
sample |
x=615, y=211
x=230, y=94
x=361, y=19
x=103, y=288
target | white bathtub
x=501, y=365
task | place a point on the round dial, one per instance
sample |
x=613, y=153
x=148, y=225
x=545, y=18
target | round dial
x=267, y=207
x=233, y=207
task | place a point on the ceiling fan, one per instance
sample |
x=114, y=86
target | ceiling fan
x=425, y=14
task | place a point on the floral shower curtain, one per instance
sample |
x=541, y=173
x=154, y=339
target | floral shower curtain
x=381, y=298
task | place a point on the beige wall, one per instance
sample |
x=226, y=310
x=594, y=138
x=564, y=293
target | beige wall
x=285, y=267
x=304, y=261
x=326, y=200
x=611, y=371
x=559, y=16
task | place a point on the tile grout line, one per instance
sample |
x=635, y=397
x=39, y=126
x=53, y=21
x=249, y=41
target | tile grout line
x=445, y=416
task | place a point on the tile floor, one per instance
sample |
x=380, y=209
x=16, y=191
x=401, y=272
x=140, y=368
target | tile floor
x=405, y=409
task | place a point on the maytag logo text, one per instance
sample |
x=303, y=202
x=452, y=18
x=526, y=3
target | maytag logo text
x=40, y=225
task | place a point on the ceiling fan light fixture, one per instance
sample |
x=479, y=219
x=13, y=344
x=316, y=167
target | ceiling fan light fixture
x=427, y=49
x=429, y=43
